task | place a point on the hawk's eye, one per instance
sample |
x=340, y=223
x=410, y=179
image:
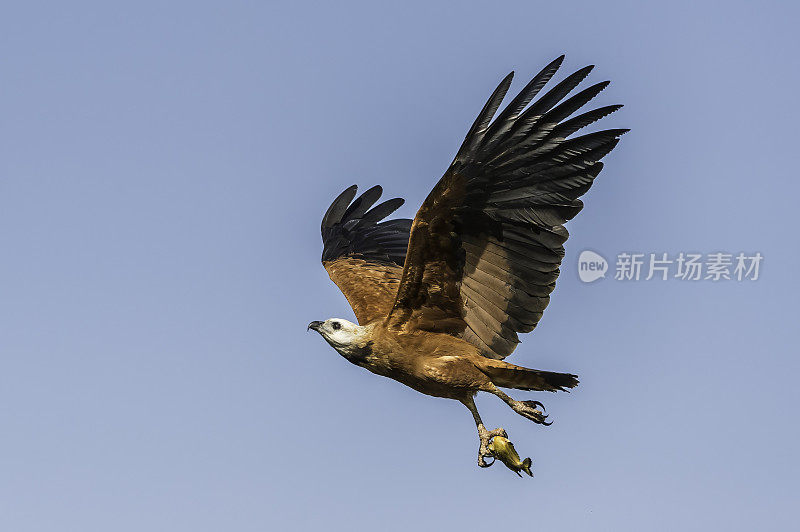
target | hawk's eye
x=336, y=325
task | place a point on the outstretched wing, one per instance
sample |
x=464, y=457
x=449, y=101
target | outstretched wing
x=363, y=255
x=487, y=243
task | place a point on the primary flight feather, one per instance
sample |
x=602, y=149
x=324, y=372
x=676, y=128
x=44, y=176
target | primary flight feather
x=440, y=300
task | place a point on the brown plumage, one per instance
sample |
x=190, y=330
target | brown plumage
x=440, y=300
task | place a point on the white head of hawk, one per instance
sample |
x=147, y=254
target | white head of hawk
x=344, y=336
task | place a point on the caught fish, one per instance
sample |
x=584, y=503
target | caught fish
x=503, y=450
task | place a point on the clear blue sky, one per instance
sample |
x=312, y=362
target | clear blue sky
x=163, y=171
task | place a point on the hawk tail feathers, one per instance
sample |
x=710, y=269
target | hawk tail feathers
x=507, y=375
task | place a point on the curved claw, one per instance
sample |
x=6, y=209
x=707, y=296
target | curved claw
x=483, y=463
x=543, y=422
x=530, y=409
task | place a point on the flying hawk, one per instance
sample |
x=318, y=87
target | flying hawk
x=440, y=299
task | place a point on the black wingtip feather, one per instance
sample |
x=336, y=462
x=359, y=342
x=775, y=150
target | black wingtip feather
x=338, y=207
x=479, y=127
x=352, y=229
x=363, y=203
x=382, y=210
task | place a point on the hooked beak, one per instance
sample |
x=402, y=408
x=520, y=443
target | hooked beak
x=314, y=325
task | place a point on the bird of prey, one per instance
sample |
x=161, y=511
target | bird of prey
x=441, y=299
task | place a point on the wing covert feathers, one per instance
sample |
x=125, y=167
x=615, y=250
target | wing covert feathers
x=486, y=245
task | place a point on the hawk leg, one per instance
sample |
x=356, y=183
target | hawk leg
x=527, y=409
x=484, y=434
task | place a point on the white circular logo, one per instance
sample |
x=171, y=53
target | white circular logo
x=591, y=266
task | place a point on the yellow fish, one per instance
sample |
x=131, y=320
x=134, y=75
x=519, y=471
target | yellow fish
x=503, y=450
